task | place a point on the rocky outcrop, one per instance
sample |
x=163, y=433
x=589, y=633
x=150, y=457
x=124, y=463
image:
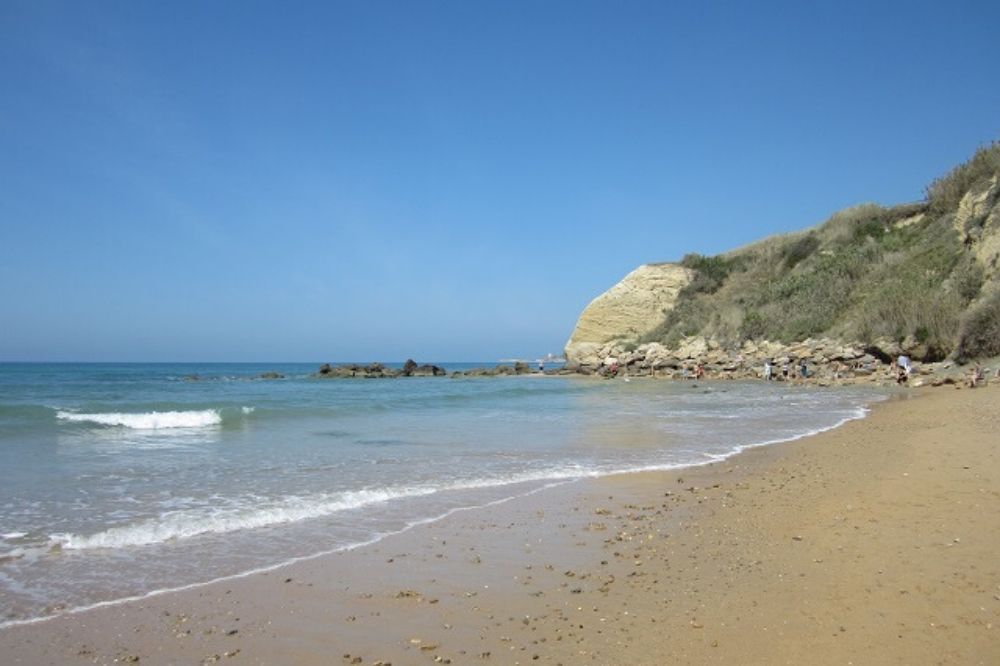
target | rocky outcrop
x=413, y=369
x=827, y=361
x=379, y=371
x=977, y=221
x=631, y=308
x=518, y=368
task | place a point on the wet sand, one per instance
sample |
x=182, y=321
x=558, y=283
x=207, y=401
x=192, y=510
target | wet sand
x=878, y=542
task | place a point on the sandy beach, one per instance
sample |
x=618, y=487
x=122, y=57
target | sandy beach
x=875, y=543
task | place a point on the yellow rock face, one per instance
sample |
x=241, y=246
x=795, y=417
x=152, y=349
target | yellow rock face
x=980, y=207
x=629, y=309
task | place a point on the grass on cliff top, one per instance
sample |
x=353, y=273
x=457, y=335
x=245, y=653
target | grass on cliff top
x=867, y=273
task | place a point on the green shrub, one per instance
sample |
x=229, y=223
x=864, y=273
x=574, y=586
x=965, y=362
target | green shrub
x=857, y=222
x=903, y=306
x=709, y=272
x=753, y=326
x=799, y=249
x=869, y=228
x=979, y=333
x=967, y=278
x=946, y=192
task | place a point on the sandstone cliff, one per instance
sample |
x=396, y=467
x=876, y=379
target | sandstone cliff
x=626, y=312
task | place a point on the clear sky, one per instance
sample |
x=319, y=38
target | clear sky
x=443, y=180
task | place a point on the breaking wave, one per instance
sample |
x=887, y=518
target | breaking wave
x=148, y=420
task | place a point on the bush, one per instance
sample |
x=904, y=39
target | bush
x=799, y=249
x=856, y=223
x=753, y=327
x=944, y=193
x=979, y=333
x=904, y=306
x=710, y=272
x=967, y=279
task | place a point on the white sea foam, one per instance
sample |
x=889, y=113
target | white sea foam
x=13, y=535
x=176, y=525
x=270, y=567
x=148, y=420
x=193, y=522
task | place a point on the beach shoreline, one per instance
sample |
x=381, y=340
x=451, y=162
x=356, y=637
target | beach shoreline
x=875, y=542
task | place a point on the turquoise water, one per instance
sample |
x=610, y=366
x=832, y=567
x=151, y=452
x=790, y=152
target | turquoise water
x=123, y=479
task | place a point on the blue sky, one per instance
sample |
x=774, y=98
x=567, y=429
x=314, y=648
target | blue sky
x=442, y=180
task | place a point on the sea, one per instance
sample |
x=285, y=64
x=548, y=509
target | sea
x=119, y=481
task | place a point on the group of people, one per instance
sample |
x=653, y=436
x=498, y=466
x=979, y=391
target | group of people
x=786, y=369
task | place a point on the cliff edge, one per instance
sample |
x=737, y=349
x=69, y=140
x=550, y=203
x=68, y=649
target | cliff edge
x=630, y=309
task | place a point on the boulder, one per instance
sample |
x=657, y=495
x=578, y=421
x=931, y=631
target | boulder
x=692, y=348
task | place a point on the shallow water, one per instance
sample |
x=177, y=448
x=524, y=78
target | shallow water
x=121, y=479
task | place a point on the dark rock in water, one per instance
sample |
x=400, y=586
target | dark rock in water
x=412, y=369
x=273, y=375
x=427, y=370
x=379, y=371
x=192, y=378
x=518, y=368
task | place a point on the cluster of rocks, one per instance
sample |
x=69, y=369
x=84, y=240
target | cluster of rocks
x=379, y=371
x=263, y=375
x=830, y=361
x=412, y=369
x=519, y=368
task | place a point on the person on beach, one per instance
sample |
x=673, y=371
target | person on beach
x=768, y=370
x=784, y=370
x=901, y=376
x=699, y=371
x=975, y=376
x=904, y=364
x=803, y=369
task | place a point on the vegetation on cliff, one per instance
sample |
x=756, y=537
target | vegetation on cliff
x=906, y=273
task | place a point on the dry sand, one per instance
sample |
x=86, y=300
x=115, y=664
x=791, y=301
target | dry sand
x=876, y=543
